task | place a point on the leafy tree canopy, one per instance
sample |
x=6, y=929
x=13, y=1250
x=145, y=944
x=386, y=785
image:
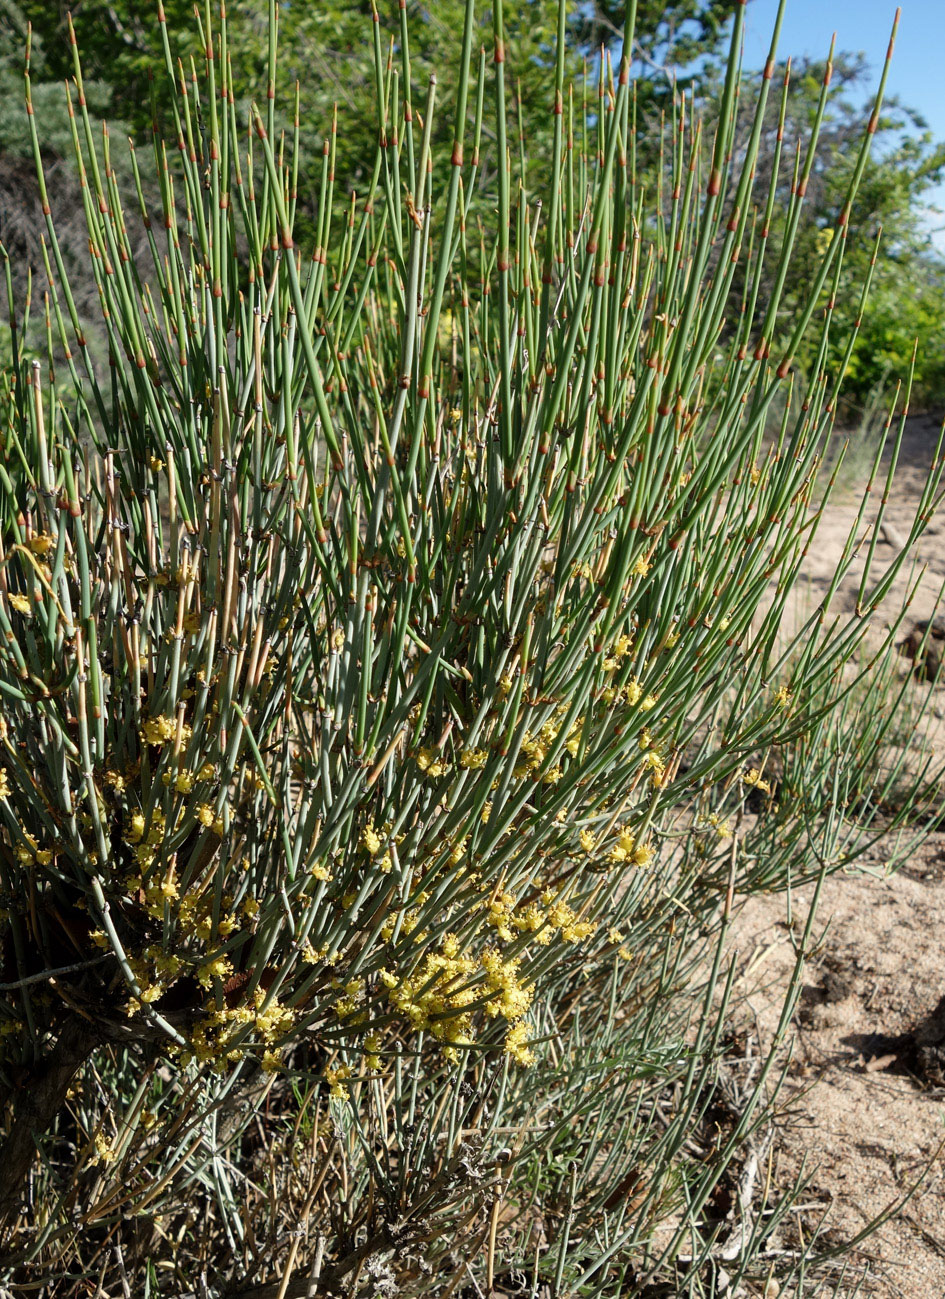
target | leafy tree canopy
x=326, y=50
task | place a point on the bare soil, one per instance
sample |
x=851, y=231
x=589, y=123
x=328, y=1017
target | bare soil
x=862, y=1109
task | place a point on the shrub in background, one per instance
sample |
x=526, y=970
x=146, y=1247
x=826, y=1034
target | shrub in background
x=396, y=692
x=891, y=212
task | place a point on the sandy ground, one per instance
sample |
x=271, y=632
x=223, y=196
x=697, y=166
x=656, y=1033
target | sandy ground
x=862, y=1108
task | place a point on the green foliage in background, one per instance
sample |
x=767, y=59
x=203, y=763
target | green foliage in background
x=906, y=311
x=326, y=52
x=327, y=47
x=402, y=679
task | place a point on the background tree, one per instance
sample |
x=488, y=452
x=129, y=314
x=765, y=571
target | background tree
x=325, y=48
x=326, y=51
x=669, y=37
x=906, y=304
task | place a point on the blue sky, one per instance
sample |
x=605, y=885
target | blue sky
x=917, y=75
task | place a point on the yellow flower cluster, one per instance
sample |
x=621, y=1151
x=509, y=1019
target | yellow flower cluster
x=371, y=840
x=431, y=764
x=533, y=756
x=145, y=839
x=615, y=937
x=373, y=843
x=158, y=730
x=436, y=996
x=104, y=1150
x=510, y=998
x=543, y=919
x=572, y=930
x=516, y=1044
x=372, y=1045
x=30, y=851
x=42, y=543
x=154, y=970
x=275, y=1021
x=209, y=818
x=335, y=1077
x=631, y=694
x=410, y=921
x=621, y=648
x=215, y=1040
x=502, y=915
x=656, y=766
x=721, y=826
x=626, y=849
x=753, y=777
x=534, y=749
x=221, y=967
x=184, y=781
x=652, y=761
x=347, y=1006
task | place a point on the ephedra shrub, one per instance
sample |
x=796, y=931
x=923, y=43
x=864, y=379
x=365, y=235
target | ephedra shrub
x=395, y=689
